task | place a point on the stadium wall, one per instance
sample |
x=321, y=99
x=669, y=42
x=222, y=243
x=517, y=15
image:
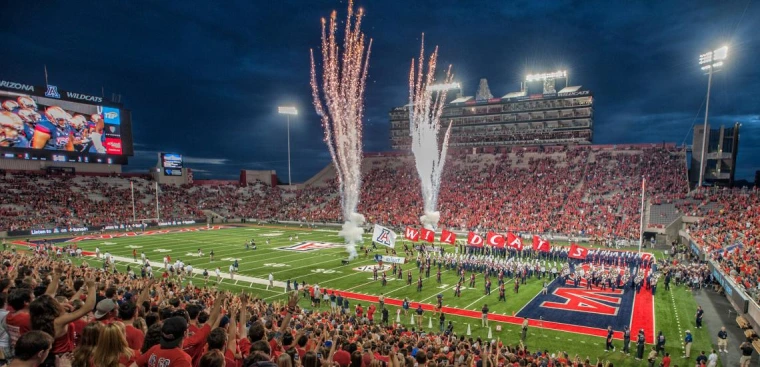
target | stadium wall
x=30, y=165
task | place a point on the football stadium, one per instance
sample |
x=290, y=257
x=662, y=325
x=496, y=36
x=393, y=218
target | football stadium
x=493, y=231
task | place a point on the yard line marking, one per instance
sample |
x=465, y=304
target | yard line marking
x=476, y=301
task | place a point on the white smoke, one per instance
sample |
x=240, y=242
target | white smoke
x=430, y=219
x=352, y=231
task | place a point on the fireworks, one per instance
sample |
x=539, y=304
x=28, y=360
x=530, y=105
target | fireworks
x=340, y=105
x=426, y=106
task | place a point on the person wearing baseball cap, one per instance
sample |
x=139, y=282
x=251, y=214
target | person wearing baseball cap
x=173, y=332
x=105, y=311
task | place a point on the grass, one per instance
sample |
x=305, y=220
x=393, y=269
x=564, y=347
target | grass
x=324, y=267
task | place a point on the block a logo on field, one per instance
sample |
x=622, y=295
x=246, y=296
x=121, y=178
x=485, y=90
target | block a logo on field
x=309, y=246
x=595, y=307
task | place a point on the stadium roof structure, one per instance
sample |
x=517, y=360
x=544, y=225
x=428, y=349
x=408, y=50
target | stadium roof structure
x=570, y=89
x=521, y=93
x=462, y=99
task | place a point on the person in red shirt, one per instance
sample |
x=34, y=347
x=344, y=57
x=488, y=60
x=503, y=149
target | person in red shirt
x=128, y=314
x=193, y=344
x=18, y=320
x=666, y=360
x=370, y=312
x=168, y=352
x=105, y=311
x=32, y=348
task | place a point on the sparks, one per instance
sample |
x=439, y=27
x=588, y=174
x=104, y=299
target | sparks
x=426, y=106
x=340, y=106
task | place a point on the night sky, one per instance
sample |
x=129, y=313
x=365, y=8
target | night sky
x=204, y=78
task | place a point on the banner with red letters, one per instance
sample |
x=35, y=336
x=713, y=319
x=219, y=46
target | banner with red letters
x=474, y=239
x=577, y=252
x=448, y=237
x=412, y=234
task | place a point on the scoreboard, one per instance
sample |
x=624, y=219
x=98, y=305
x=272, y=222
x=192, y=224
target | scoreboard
x=171, y=164
x=62, y=126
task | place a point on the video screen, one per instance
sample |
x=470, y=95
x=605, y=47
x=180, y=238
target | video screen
x=172, y=164
x=41, y=123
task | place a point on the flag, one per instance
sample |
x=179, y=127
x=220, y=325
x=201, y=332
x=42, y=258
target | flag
x=384, y=236
x=495, y=239
x=577, y=252
x=412, y=234
x=427, y=235
x=514, y=242
x=448, y=237
x=540, y=244
x=474, y=239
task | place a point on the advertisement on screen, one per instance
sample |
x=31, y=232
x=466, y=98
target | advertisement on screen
x=53, y=124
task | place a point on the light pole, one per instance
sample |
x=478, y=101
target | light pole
x=711, y=61
x=288, y=111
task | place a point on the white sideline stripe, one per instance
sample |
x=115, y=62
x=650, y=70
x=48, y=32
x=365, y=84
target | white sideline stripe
x=277, y=283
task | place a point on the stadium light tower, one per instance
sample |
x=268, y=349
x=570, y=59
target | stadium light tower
x=288, y=111
x=711, y=61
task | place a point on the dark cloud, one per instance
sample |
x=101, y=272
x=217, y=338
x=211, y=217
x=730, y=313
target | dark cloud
x=204, y=78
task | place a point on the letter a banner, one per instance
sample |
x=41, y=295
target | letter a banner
x=384, y=236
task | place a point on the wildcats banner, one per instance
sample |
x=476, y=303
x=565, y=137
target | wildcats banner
x=390, y=259
x=412, y=234
x=427, y=235
x=577, y=252
x=540, y=244
x=384, y=236
x=474, y=239
x=448, y=237
x=514, y=242
x=495, y=240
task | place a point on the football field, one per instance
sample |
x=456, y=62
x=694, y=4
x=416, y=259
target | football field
x=314, y=256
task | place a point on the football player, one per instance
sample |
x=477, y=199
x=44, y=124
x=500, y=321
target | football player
x=79, y=132
x=53, y=132
x=30, y=118
x=10, y=105
x=95, y=129
x=11, y=127
x=27, y=102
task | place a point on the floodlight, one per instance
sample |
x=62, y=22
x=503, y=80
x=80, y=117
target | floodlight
x=288, y=110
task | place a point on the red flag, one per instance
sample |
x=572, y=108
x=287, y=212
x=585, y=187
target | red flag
x=427, y=235
x=495, y=239
x=514, y=242
x=448, y=237
x=540, y=244
x=577, y=252
x=412, y=234
x=474, y=239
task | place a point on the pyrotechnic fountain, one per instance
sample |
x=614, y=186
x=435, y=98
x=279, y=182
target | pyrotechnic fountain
x=426, y=102
x=341, y=108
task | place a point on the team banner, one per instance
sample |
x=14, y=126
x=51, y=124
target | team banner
x=540, y=244
x=427, y=235
x=514, y=242
x=577, y=252
x=390, y=259
x=412, y=234
x=384, y=236
x=448, y=237
x=474, y=239
x=495, y=239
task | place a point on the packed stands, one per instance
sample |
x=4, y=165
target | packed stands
x=592, y=191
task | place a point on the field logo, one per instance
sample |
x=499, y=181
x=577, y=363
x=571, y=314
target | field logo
x=309, y=246
x=370, y=268
x=595, y=307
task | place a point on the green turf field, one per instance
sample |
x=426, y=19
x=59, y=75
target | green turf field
x=324, y=267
